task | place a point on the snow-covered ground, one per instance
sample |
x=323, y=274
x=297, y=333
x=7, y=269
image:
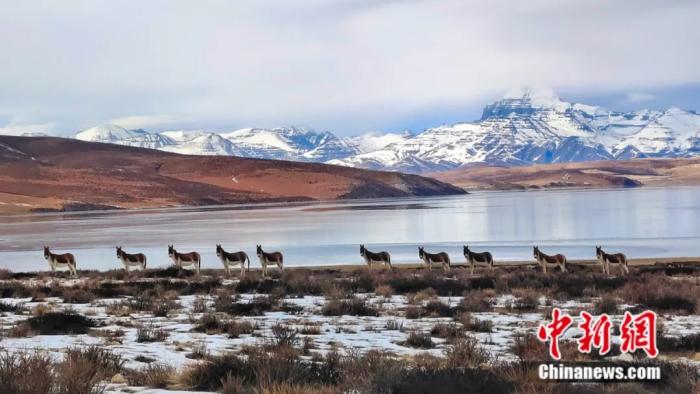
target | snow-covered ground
x=338, y=333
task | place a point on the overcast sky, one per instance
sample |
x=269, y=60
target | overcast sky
x=348, y=66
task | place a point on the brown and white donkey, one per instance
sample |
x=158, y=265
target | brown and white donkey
x=607, y=259
x=544, y=260
x=183, y=259
x=66, y=260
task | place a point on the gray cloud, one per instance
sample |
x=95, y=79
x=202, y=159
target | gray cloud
x=343, y=65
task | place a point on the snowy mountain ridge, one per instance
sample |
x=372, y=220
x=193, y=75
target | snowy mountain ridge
x=524, y=127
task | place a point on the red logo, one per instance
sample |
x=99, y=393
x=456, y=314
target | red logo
x=639, y=332
x=636, y=332
x=552, y=331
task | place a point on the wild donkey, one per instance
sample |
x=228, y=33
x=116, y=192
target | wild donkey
x=544, y=260
x=183, y=259
x=131, y=260
x=436, y=258
x=375, y=258
x=232, y=259
x=66, y=260
x=474, y=258
x=269, y=259
x=607, y=259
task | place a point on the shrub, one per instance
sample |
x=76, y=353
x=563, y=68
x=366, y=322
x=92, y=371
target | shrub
x=310, y=330
x=428, y=294
x=414, y=283
x=526, y=300
x=234, y=329
x=199, y=351
x=209, y=323
x=438, y=309
x=528, y=348
x=26, y=373
x=162, y=307
x=155, y=375
x=475, y=301
x=471, y=323
x=447, y=331
x=11, y=307
x=255, y=307
x=384, y=290
x=466, y=353
x=660, y=295
x=199, y=305
x=78, y=296
x=606, y=304
x=394, y=325
x=352, y=307
x=687, y=343
x=419, y=340
x=284, y=336
x=59, y=323
x=150, y=333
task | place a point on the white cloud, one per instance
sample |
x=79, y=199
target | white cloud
x=639, y=97
x=147, y=121
x=27, y=129
x=345, y=64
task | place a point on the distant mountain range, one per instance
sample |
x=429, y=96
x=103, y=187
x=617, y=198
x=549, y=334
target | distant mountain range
x=524, y=127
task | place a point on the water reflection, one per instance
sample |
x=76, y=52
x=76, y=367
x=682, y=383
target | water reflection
x=644, y=222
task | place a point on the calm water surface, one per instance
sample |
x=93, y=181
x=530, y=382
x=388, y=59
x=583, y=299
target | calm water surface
x=645, y=222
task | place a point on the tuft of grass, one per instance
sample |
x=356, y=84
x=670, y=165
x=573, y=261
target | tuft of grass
x=150, y=333
x=156, y=375
x=447, y=331
x=384, y=290
x=351, y=307
x=419, y=340
x=394, y=325
x=466, y=353
x=471, y=323
x=475, y=301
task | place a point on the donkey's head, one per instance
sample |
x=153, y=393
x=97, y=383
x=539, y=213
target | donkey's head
x=119, y=251
x=421, y=252
x=362, y=250
x=258, y=250
x=47, y=253
x=171, y=251
x=466, y=250
x=598, y=251
x=219, y=249
x=536, y=252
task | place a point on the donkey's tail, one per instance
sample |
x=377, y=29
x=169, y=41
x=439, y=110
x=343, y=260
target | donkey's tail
x=144, y=262
x=248, y=259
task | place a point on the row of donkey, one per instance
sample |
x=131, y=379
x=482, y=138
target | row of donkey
x=238, y=259
x=486, y=258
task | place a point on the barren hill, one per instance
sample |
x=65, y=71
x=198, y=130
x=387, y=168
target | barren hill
x=46, y=173
x=608, y=173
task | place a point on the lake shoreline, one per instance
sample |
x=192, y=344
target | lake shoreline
x=663, y=262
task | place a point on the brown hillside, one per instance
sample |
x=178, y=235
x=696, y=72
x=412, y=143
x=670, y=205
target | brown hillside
x=47, y=173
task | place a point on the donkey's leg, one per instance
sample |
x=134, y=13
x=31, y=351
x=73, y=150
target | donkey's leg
x=471, y=273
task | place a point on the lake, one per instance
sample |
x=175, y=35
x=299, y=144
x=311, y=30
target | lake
x=642, y=222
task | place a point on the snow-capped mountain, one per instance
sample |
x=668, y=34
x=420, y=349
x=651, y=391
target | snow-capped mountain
x=114, y=134
x=291, y=143
x=532, y=127
x=524, y=127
